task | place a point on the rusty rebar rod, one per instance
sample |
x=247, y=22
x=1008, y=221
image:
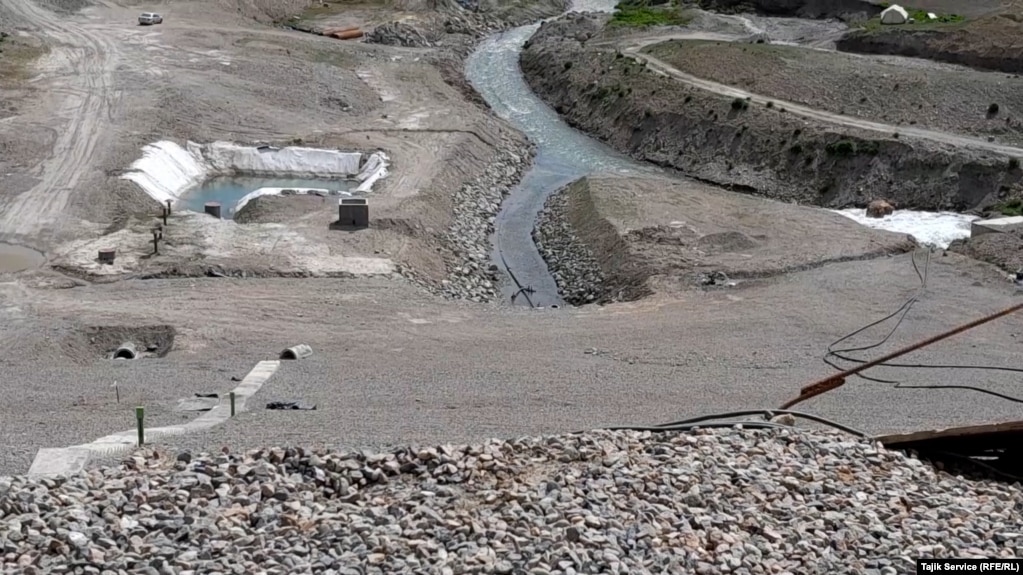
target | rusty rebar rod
x=829, y=383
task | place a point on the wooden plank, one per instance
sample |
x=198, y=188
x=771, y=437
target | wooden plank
x=972, y=432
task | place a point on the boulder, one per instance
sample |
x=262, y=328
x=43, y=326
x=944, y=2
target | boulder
x=879, y=209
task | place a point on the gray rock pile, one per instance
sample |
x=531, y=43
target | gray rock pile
x=398, y=34
x=727, y=501
x=570, y=261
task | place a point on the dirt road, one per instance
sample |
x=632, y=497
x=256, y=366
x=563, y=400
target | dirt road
x=634, y=47
x=80, y=67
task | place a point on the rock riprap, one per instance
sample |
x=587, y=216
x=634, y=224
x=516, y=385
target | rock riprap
x=722, y=501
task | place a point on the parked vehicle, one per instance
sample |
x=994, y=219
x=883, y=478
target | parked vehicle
x=149, y=18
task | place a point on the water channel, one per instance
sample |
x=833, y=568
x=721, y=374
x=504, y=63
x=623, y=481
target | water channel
x=564, y=154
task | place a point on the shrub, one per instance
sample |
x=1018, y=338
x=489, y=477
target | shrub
x=841, y=148
x=1013, y=163
x=739, y=104
x=568, y=65
x=992, y=109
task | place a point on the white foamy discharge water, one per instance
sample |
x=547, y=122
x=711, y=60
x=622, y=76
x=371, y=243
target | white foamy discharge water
x=936, y=229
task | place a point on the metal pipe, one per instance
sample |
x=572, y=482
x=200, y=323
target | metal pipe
x=837, y=380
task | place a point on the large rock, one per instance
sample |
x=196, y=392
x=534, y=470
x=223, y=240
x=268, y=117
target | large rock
x=879, y=209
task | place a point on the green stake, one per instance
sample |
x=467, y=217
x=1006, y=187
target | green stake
x=140, y=416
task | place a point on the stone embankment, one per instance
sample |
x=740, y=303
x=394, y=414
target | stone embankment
x=571, y=262
x=589, y=259
x=724, y=501
x=746, y=146
x=471, y=274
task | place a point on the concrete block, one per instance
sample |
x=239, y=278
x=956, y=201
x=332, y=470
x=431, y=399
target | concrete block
x=353, y=212
x=996, y=226
x=50, y=462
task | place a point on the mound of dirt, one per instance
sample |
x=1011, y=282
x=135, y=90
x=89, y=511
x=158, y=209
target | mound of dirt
x=281, y=209
x=1004, y=250
x=619, y=239
x=841, y=9
x=757, y=148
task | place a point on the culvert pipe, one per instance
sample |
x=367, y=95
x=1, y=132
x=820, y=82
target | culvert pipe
x=126, y=350
x=300, y=351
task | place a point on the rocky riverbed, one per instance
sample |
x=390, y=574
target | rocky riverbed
x=723, y=501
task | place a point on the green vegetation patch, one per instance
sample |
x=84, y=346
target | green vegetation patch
x=918, y=19
x=1010, y=208
x=639, y=14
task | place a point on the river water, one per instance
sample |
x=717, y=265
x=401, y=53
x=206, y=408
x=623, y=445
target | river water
x=564, y=154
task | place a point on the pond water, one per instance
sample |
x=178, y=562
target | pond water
x=229, y=189
x=14, y=258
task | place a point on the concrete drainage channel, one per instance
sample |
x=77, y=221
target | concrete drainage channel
x=70, y=460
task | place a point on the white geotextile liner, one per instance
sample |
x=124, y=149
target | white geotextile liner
x=166, y=170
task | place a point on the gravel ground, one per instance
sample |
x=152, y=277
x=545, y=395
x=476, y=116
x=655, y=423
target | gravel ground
x=73, y=404
x=394, y=365
x=613, y=502
x=890, y=89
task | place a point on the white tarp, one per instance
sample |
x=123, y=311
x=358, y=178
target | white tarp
x=894, y=14
x=166, y=170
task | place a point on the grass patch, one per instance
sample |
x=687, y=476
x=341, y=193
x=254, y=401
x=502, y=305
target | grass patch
x=640, y=16
x=1010, y=208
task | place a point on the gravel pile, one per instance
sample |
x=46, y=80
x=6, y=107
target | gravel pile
x=726, y=501
x=570, y=261
x=398, y=34
x=472, y=275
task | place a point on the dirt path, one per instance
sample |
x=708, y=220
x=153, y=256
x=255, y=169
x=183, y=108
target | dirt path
x=634, y=46
x=82, y=61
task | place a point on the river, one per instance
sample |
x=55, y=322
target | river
x=565, y=154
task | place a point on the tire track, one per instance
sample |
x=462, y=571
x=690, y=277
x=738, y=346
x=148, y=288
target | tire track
x=90, y=101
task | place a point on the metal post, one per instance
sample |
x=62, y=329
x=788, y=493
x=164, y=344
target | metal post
x=232, y=404
x=168, y=207
x=156, y=242
x=164, y=214
x=140, y=416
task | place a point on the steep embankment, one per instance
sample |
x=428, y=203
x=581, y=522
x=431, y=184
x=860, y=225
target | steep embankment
x=760, y=149
x=841, y=9
x=988, y=44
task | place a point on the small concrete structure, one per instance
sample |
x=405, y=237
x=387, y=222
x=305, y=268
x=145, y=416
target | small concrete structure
x=995, y=226
x=212, y=208
x=126, y=351
x=300, y=351
x=106, y=256
x=353, y=212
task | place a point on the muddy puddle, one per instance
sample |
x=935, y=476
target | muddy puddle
x=14, y=258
